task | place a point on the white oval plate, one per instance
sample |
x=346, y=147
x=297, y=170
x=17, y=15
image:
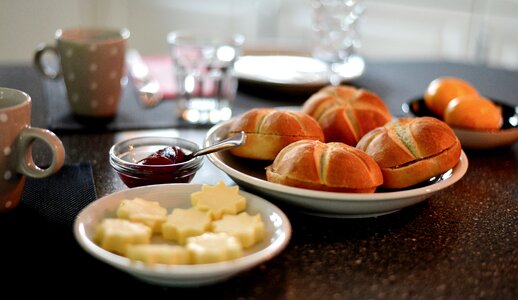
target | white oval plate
x=278, y=233
x=251, y=175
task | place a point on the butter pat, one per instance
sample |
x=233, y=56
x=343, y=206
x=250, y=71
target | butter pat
x=218, y=200
x=183, y=223
x=115, y=235
x=143, y=211
x=213, y=247
x=159, y=254
x=246, y=228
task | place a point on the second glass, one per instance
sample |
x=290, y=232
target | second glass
x=203, y=67
x=336, y=37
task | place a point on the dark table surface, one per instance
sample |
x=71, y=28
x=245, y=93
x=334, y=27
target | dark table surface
x=461, y=243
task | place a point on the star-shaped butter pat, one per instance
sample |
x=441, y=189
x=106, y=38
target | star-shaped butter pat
x=246, y=228
x=218, y=200
x=115, y=235
x=159, y=254
x=213, y=247
x=143, y=211
x=183, y=223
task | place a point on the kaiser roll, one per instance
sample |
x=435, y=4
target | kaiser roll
x=473, y=112
x=412, y=150
x=269, y=130
x=444, y=89
x=334, y=167
x=346, y=113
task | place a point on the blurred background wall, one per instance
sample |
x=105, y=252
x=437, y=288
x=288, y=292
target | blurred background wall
x=473, y=31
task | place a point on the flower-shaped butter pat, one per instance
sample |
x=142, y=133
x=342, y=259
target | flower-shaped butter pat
x=218, y=200
x=248, y=229
x=143, y=211
x=159, y=254
x=213, y=247
x=183, y=223
x=115, y=235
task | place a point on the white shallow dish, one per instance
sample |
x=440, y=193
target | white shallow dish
x=278, y=234
x=480, y=140
x=251, y=175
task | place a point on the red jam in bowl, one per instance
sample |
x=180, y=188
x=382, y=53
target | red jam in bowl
x=141, y=180
x=166, y=156
x=169, y=164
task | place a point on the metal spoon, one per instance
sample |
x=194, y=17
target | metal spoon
x=149, y=91
x=229, y=143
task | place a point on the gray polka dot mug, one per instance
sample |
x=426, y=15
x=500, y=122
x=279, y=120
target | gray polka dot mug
x=91, y=62
x=16, y=139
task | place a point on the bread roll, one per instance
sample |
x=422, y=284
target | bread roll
x=346, y=113
x=412, y=150
x=269, y=130
x=444, y=89
x=473, y=112
x=334, y=167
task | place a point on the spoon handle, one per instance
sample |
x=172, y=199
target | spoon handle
x=229, y=143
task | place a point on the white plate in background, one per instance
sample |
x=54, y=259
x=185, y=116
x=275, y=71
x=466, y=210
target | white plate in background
x=295, y=73
x=282, y=70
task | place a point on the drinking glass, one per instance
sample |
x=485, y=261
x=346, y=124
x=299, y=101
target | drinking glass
x=203, y=65
x=337, y=38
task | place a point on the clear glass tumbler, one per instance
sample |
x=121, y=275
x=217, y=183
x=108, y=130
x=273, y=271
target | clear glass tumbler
x=203, y=66
x=336, y=35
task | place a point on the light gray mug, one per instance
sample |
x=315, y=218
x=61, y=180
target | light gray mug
x=16, y=139
x=92, y=65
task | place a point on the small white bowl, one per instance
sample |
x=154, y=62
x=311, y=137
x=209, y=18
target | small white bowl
x=277, y=225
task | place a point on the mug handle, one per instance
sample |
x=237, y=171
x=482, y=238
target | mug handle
x=26, y=165
x=40, y=65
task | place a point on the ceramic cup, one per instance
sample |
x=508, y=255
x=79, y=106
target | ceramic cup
x=16, y=139
x=92, y=65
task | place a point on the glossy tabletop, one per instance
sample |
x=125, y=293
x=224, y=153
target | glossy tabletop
x=462, y=243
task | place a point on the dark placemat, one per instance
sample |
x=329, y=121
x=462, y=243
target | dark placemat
x=131, y=114
x=58, y=199
x=37, y=235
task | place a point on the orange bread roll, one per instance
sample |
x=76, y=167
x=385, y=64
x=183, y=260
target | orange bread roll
x=334, y=167
x=346, y=113
x=412, y=150
x=269, y=130
x=473, y=112
x=444, y=89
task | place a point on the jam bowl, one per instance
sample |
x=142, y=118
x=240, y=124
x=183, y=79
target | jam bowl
x=155, y=160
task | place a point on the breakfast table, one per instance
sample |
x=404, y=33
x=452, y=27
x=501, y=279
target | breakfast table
x=461, y=243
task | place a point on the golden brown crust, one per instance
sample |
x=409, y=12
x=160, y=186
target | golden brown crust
x=444, y=89
x=421, y=170
x=346, y=113
x=333, y=167
x=473, y=112
x=269, y=130
x=411, y=150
